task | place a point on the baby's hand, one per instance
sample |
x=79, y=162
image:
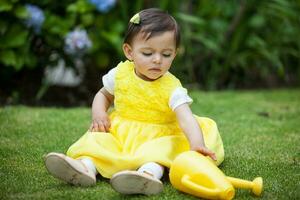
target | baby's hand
x=206, y=152
x=101, y=123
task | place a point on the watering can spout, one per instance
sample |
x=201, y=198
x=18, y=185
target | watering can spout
x=256, y=185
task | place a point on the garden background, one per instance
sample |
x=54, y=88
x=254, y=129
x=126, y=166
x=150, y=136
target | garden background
x=240, y=60
x=225, y=45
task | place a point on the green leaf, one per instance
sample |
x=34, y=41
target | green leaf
x=12, y=58
x=80, y=6
x=190, y=19
x=21, y=12
x=254, y=41
x=5, y=6
x=8, y=57
x=56, y=24
x=3, y=26
x=72, y=8
x=257, y=21
x=19, y=62
x=113, y=38
x=15, y=36
x=102, y=60
x=87, y=19
x=207, y=42
x=30, y=60
x=218, y=25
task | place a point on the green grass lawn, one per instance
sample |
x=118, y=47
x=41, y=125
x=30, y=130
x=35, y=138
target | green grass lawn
x=260, y=130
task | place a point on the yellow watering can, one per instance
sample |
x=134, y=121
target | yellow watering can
x=195, y=174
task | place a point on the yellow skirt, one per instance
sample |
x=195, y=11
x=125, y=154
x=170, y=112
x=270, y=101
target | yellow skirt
x=130, y=144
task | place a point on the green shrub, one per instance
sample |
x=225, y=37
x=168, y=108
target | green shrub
x=231, y=44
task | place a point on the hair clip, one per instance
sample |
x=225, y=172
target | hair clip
x=135, y=19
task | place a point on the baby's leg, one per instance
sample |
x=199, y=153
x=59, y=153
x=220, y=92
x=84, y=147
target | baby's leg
x=146, y=180
x=90, y=165
x=76, y=172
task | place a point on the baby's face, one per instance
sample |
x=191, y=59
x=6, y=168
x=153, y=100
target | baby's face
x=153, y=57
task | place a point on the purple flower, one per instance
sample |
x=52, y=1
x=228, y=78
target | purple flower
x=103, y=5
x=35, y=18
x=77, y=42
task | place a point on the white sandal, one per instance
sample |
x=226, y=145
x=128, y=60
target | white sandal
x=134, y=182
x=69, y=170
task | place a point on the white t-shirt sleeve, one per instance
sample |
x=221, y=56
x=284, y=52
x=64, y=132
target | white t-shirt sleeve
x=179, y=97
x=108, y=80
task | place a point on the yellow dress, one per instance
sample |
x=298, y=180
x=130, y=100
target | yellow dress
x=143, y=127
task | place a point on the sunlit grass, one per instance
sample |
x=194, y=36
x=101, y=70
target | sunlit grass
x=260, y=130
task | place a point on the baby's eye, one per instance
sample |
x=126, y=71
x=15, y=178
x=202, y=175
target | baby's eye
x=147, y=54
x=166, y=55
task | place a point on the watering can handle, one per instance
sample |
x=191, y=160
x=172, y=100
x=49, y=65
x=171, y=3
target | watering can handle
x=190, y=184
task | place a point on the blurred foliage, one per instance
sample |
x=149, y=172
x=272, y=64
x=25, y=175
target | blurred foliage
x=232, y=44
x=225, y=44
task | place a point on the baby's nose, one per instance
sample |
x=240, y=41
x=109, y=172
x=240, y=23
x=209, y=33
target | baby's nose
x=157, y=58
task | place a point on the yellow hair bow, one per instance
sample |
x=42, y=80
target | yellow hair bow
x=135, y=19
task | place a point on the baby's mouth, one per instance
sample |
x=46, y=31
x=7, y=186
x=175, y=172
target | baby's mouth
x=155, y=69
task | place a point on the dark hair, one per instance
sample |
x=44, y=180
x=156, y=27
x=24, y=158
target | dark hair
x=153, y=21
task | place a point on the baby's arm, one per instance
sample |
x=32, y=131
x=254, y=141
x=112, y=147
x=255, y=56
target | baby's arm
x=192, y=130
x=100, y=120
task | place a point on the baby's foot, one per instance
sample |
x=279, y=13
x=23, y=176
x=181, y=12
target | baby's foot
x=69, y=170
x=134, y=182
